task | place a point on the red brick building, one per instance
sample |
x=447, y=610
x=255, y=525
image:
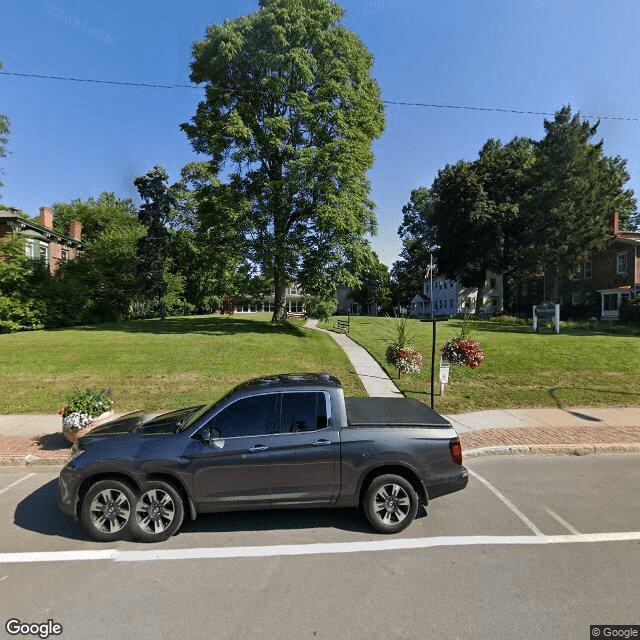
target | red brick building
x=41, y=241
x=600, y=284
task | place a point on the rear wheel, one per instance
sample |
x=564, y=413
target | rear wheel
x=106, y=510
x=390, y=503
x=158, y=512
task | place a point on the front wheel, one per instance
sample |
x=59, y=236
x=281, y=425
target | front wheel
x=106, y=510
x=390, y=503
x=158, y=512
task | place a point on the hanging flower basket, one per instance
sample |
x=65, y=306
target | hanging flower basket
x=463, y=352
x=405, y=360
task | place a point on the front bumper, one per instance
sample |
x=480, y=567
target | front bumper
x=68, y=485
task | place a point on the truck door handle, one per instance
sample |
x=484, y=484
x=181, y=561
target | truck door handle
x=257, y=448
x=321, y=443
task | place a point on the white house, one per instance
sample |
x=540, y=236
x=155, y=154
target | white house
x=450, y=298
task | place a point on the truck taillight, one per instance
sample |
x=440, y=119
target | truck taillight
x=456, y=451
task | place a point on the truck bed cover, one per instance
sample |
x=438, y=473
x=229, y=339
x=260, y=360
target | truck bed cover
x=391, y=412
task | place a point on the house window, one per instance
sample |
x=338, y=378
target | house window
x=451, y=303
x=610, y=302
x=65, y=255
x=44, y=252
x=588, y=269
x=621, y=264
x=29, y=249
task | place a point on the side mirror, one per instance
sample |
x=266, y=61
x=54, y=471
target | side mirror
x=208, y=435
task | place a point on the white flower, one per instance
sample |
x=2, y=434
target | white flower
x=75, y=421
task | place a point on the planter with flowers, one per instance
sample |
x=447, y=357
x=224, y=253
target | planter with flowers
x=85, y=410
x=399, y=354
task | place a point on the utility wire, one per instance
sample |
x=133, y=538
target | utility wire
x=390, y=102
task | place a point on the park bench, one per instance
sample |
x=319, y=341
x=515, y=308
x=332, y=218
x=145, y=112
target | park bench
x=342, y=325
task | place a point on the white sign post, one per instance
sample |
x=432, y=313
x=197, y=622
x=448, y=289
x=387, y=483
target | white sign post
x=547, y=310
x=444, y=375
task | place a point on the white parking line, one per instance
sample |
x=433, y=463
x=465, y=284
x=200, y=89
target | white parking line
x=393, y=544
x=509, y=504
x=18, y=481
x=562, y=521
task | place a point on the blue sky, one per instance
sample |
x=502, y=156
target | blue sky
x=77, y=139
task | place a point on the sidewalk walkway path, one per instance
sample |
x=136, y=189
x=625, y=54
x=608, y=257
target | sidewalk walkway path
x=37, y=439
x=376, y=382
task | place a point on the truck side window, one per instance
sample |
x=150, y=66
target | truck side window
x=253, y=416
x=306, y=411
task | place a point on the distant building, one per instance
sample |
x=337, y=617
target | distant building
x=599, y=285
x=41, y=240
x=293, y=302
x=450, y=298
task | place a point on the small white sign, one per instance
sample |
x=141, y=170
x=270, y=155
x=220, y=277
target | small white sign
x=444, y=373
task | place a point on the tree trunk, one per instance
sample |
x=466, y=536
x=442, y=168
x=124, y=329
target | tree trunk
x=480, y=301
x=280, y=302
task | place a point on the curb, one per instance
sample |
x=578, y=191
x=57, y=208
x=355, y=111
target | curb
x=550, y=449
x=481, y=452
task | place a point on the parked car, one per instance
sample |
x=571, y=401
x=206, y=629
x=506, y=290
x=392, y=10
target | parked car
x=287, y=441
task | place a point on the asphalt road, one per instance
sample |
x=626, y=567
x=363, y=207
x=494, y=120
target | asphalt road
x=514, y=555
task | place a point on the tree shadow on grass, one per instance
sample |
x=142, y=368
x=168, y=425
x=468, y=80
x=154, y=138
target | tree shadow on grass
x=204, y=325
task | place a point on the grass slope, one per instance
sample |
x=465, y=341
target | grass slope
x=154, y=364
x=521, y=369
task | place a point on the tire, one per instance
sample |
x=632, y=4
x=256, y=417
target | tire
x=390, y=503
x=106, y=510
x=158, y=512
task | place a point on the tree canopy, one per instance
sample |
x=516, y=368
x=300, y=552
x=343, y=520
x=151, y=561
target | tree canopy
x=290, y=114
x=575, y=190
x=521, y=209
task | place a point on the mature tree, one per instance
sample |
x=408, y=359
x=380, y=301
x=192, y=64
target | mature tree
x=576, y=188
x=290, y=114
x=158, y=207
x=4, y=130
x=505, y=174
x=419, y=242
x=18, y=309
x=467, y=232
x=375, y=288
x=97, y=215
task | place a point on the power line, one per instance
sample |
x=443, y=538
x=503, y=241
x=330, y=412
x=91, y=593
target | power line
x=428, y=105
x=129, y=84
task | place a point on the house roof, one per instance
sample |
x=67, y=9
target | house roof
x=20, y=225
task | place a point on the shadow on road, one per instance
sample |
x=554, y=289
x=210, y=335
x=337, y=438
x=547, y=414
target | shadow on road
x=39, y=512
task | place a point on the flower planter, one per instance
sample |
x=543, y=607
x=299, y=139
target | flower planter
x=75, y=434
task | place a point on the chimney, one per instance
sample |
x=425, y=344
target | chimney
x=615, y=223
x=75, y=230
x=46, y=217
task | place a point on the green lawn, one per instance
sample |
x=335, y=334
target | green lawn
x=153, y=365
x=521, y=369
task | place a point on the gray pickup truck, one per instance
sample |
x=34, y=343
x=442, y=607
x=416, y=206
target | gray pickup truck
x=288, y=441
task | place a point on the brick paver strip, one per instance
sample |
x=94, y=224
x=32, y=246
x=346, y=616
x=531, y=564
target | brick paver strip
x=53, y=449
x=581, y=435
